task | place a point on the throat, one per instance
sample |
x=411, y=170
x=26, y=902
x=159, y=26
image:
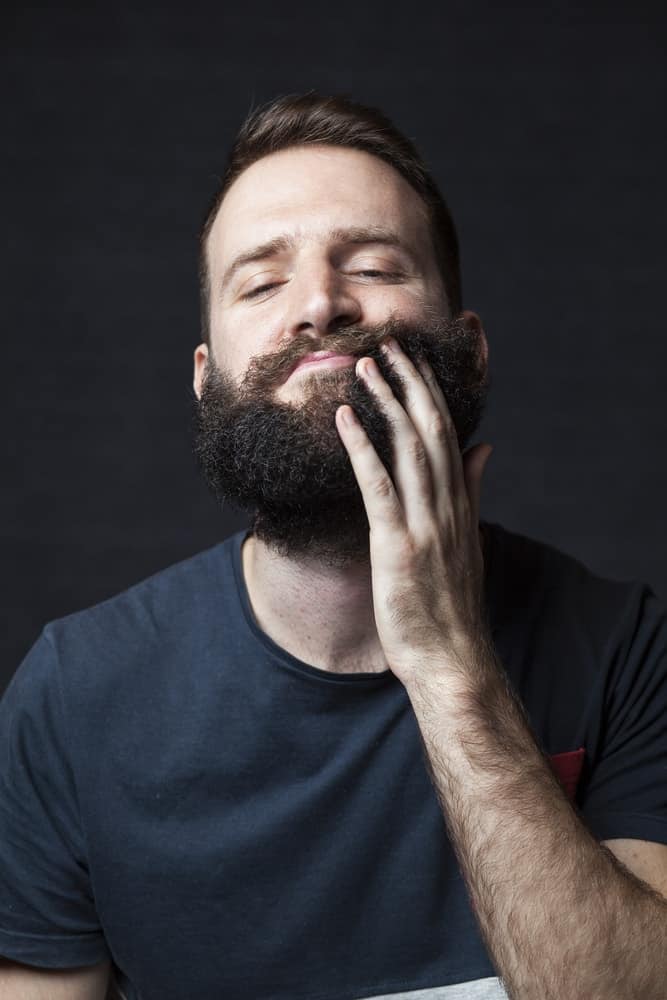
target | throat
x=305, y=643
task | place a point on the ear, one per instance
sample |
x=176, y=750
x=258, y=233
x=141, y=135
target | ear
x=473, y=322
x=200, y=359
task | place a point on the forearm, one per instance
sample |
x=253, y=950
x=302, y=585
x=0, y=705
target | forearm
x=562, y=919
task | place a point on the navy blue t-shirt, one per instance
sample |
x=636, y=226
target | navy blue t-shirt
x=180, y=794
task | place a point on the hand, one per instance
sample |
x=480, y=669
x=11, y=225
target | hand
x=427, y=563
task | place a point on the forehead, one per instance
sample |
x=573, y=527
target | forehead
x=307, y=191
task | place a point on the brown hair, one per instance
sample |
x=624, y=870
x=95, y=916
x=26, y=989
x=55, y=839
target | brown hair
x=335, y=120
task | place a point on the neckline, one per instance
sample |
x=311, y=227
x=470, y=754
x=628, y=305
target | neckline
x=293, y=663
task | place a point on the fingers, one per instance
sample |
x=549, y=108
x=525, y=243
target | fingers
x=412, y=471
x=428, y=470
x=425, y=424
x=383, y=507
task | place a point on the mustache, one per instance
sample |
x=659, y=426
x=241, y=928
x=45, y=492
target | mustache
x=419, y=340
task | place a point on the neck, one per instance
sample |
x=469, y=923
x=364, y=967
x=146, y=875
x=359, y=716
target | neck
x=321, y=616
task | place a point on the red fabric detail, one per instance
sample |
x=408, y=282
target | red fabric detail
x=567, y=768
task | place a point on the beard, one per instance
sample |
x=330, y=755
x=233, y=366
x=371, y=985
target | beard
x=283, y=462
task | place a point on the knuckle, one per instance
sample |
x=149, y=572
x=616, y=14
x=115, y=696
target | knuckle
x=381, y=485
x=418, y=451
x=438, y=426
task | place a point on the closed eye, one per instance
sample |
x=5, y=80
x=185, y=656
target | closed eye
x=256, y=291
x=373, y=273
x=384, y=274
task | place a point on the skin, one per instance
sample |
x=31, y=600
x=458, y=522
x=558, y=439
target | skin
x=316, y=602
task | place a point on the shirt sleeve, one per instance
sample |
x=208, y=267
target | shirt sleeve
x=47, y=910
x=626, y=794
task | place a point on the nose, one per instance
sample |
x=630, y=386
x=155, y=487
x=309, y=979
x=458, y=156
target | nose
x=320, y=302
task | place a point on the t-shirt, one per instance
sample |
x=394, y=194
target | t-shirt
x=180, y=794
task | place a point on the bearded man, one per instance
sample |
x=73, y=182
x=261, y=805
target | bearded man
x=371, y=746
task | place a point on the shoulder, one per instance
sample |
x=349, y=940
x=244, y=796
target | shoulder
x=145, y=606
x=140, y=631
x=535, y=578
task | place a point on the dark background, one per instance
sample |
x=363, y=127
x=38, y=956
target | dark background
x=543, y=127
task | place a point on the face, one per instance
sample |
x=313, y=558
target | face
x=318, y=249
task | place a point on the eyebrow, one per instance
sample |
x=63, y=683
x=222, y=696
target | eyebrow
x=281, y=244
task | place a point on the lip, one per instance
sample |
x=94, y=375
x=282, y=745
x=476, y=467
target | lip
x=321, y=358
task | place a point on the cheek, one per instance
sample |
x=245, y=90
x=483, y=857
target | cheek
x=234, y=343
x=242, y=346
x=407, y=301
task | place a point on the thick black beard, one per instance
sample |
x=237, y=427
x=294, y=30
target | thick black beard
x=285, y=464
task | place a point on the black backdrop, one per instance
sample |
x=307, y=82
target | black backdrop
x=544, y=128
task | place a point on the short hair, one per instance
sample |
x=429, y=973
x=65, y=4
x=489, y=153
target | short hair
x=334, y=120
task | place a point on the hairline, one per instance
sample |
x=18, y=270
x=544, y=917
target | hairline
x=210, y=222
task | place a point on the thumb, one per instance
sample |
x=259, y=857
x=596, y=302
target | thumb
x=474, y=463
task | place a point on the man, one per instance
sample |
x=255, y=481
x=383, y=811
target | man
x=372, y=746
